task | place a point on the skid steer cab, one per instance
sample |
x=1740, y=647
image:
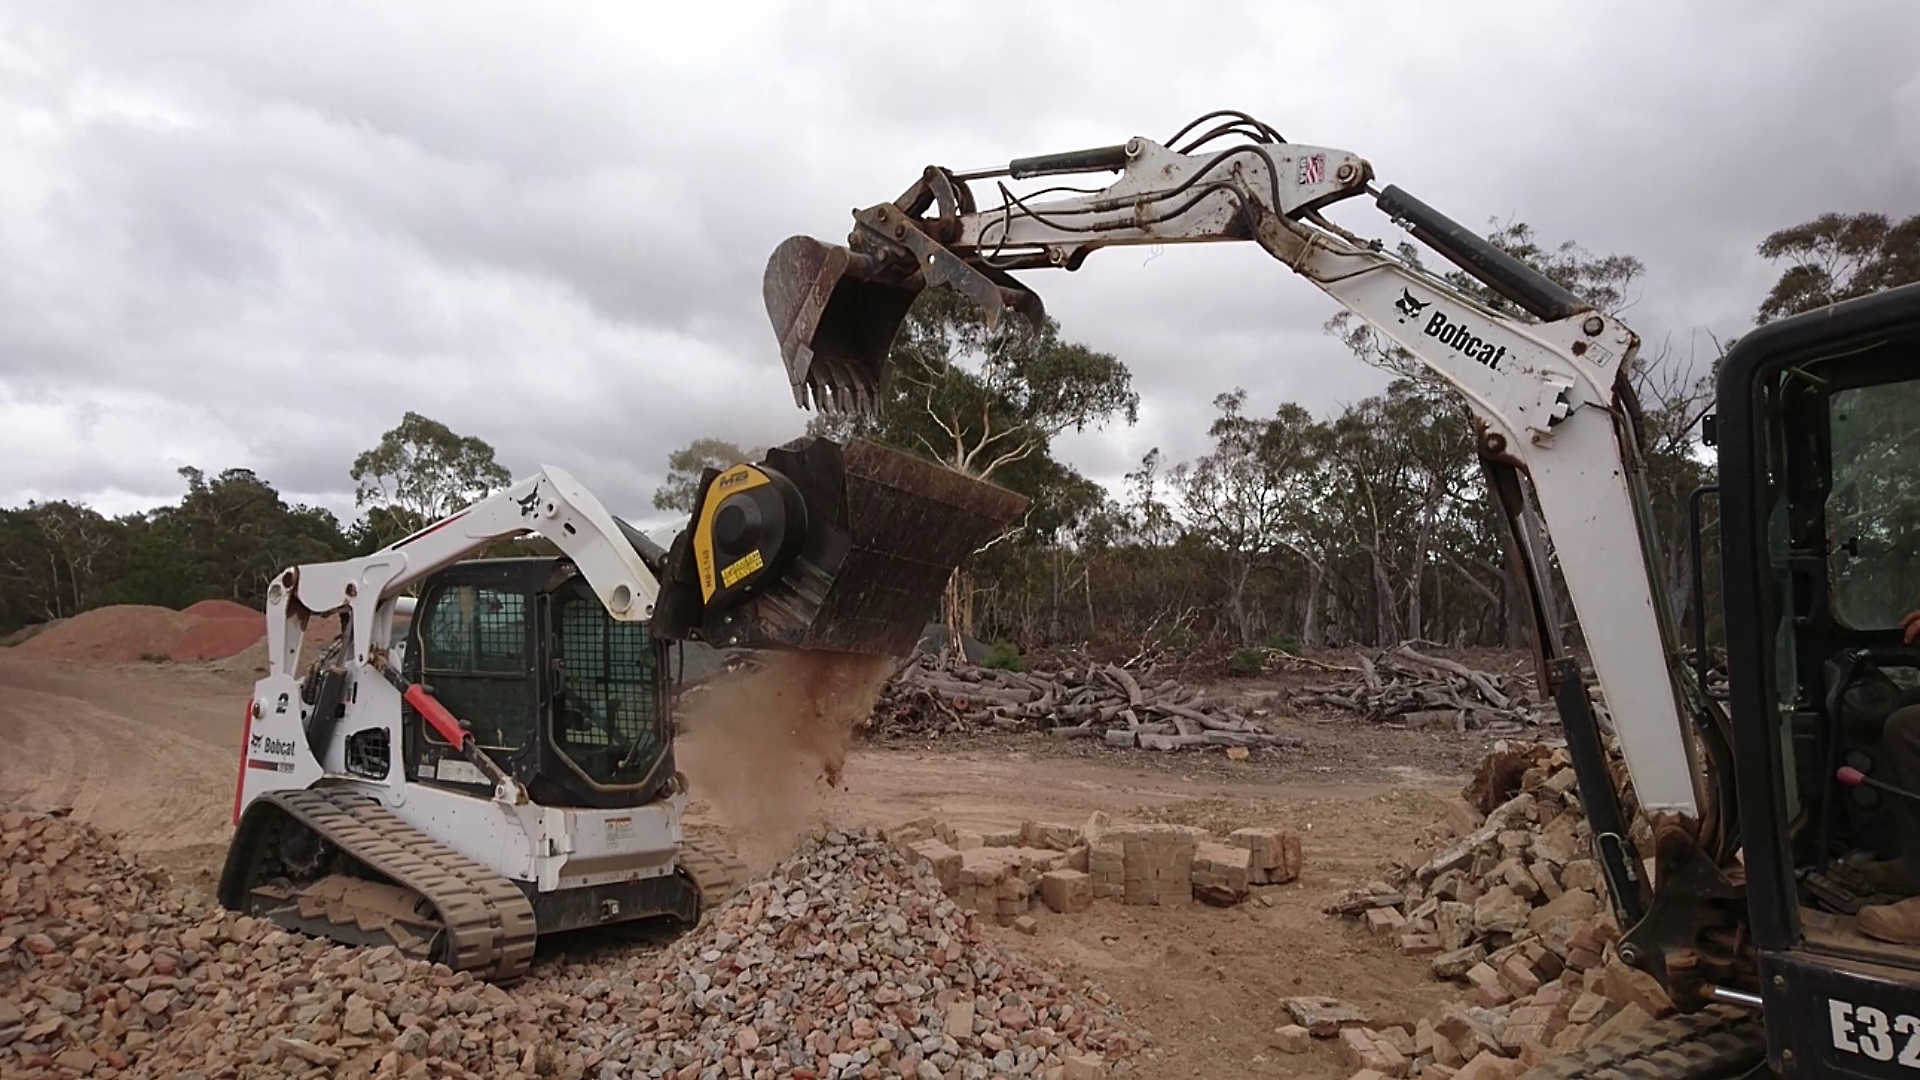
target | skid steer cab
x=491, y=758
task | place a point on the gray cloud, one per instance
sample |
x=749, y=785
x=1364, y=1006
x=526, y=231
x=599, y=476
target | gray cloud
x=255, y=234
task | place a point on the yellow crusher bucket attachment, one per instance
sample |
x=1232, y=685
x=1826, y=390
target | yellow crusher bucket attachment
x=835, y=313
x=827, y=546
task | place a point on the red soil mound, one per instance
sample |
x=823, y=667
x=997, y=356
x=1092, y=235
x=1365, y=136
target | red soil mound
x=252, y=661
x=219, y=609
x=121, y=633
x=217, y=639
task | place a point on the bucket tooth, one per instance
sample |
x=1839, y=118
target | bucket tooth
x=835, y=314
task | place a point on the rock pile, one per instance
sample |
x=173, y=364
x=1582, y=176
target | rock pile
x=1509, y=903
x=847, y=962
x=843, y=962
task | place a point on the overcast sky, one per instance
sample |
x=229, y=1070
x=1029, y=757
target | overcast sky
x=254, y=234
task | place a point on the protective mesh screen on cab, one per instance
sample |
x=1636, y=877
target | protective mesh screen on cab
x=608, y=720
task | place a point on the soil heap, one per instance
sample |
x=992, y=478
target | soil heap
x=117, y=634
x=131, y=633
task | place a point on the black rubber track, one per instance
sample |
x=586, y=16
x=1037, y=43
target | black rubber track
x=1708, y=1045
x=490, y=922
x=716, y=872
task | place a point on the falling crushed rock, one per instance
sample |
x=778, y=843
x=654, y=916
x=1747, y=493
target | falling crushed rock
x=843, y=962
x=762, y=741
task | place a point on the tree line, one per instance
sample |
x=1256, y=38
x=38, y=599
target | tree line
x=232, y=532
x=1367, y=526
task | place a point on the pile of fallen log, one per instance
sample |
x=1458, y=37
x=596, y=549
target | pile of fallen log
x=1413, y=690
x=1123, y=708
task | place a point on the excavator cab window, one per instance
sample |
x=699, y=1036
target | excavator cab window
x=1824, y=483
x=609, y=723
x=1873, y=506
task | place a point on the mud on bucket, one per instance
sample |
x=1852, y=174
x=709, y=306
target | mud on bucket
x=826, y=546
x=835, y=314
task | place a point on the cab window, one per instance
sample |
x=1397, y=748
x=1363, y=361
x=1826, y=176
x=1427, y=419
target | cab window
x=474, y=657
x=1873, y=507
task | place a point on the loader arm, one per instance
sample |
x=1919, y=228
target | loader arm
x=550, y=502
x=1548, y=388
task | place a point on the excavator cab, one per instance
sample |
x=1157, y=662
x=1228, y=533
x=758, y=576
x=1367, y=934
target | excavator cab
x=1818, y=436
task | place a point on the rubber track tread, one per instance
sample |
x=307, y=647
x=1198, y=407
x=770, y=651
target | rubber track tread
x=1707, y=1045
x=716, y=872
x=488, y=919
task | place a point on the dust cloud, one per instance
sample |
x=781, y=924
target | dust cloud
x=761, y=743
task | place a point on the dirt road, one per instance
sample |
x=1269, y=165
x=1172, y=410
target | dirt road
x=151, y=751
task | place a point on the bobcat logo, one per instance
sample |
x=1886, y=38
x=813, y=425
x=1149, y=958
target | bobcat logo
x=1408, y=307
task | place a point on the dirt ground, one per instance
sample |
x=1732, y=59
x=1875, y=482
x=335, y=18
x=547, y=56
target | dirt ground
x=151, y=750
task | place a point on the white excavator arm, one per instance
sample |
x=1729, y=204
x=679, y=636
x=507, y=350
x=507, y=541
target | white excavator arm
x=1548, y=390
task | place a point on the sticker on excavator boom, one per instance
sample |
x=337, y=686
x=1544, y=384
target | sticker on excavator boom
x=736, y=479
x=741, y=567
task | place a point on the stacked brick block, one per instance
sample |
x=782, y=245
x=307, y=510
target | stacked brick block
x=1274, y=854
x=1005, y=873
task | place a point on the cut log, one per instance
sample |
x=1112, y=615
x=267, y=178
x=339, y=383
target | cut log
x=1404, y=686
x=933, y=697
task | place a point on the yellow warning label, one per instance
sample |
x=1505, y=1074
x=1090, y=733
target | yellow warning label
x=741, y=568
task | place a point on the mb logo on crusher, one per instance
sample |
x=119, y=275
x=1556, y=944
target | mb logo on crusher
x=1463, y=341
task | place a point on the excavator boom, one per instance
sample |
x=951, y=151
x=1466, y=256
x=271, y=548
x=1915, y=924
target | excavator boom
x=1547, y=384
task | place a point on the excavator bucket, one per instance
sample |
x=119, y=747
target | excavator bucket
x=828, y=546
x=835, y=313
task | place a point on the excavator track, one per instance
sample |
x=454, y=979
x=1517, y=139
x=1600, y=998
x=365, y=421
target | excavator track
x=1708, y=1045
x=479, y=922
x=717, y=873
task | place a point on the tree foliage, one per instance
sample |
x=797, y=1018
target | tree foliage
x=422, y=471
x=685, y=465
x=226, y=538
x=990, y=403
x=230, y=534
x=1837, y=257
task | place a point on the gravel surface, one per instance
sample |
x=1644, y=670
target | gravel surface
x=841, y=962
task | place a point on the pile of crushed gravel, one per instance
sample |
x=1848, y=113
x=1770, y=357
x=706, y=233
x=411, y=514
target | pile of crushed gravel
x=842, y=962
